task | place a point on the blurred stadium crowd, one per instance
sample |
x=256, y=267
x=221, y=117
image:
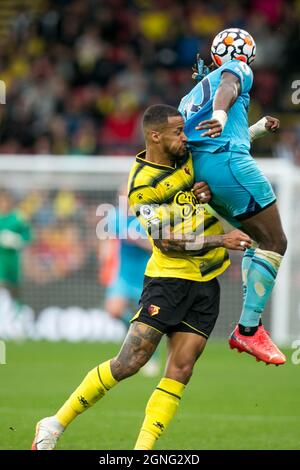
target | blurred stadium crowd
x=63, y=246
x=64, y=228
x=79, y=73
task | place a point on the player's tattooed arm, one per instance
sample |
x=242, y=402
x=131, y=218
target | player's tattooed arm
x=196, y=246
x=139, y=345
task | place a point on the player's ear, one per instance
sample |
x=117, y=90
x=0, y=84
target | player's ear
x=155, y=136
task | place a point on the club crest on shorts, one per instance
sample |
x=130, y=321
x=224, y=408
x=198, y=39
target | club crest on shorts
x=153, y=310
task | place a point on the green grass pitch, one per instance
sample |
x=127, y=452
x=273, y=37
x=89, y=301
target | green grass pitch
x=232, y=402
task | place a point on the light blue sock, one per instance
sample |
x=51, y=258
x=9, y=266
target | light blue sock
x=260, y=281
x=246, y=261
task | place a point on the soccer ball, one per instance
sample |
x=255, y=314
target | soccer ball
x=233, y=43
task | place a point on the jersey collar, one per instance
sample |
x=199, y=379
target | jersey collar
x=140, y=158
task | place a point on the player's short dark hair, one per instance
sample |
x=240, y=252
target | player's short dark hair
x=158, y=114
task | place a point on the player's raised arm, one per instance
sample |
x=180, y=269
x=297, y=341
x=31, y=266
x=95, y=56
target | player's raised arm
x=227, y=92
x=225, y=96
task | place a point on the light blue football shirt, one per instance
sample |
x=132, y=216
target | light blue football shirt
x=197, y=106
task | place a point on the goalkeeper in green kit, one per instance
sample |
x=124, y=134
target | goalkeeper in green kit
x=15, y=233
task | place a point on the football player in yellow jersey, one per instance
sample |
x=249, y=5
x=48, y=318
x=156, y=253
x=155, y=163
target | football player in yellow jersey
x=181, y=294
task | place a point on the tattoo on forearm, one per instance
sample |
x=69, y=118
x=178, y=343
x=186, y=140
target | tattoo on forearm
x=184, y=245
x=168, y=246
x=213, y=241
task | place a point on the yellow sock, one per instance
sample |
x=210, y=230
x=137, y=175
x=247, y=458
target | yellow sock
x=160, y=409
x=93, y=387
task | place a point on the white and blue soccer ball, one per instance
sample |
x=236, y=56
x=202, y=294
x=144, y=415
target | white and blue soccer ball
x=233, y=43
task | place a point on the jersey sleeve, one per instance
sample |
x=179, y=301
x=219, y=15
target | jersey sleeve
x=181, y=107
x=242, y=71
x=145, y=203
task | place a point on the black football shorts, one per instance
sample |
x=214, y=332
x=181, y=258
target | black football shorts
x=171, y=304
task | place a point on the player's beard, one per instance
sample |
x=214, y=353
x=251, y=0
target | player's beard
x=176, y=157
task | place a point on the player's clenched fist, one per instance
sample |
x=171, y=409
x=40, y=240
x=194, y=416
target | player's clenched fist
x=272, y=124
x=202, y=192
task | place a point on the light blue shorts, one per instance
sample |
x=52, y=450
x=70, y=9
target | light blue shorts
x=121, y=288
x=239, y=188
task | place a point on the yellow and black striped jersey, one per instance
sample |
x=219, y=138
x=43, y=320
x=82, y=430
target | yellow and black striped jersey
x=161, y=197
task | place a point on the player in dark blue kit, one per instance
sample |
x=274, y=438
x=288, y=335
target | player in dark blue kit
x=218, y=106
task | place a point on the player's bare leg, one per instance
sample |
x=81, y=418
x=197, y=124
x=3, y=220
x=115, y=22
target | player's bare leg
x=139, y=345
x=183, y=351
x=118, y=307
x=266, y=229
x=259, y=273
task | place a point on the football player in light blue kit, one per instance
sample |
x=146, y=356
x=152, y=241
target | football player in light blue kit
x=218, y=105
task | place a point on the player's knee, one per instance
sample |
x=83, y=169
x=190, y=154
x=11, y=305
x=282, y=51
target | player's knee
x=278, y=244
x=282, y=244
x=138, y=362
x=181, y=372
x=123, y=369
